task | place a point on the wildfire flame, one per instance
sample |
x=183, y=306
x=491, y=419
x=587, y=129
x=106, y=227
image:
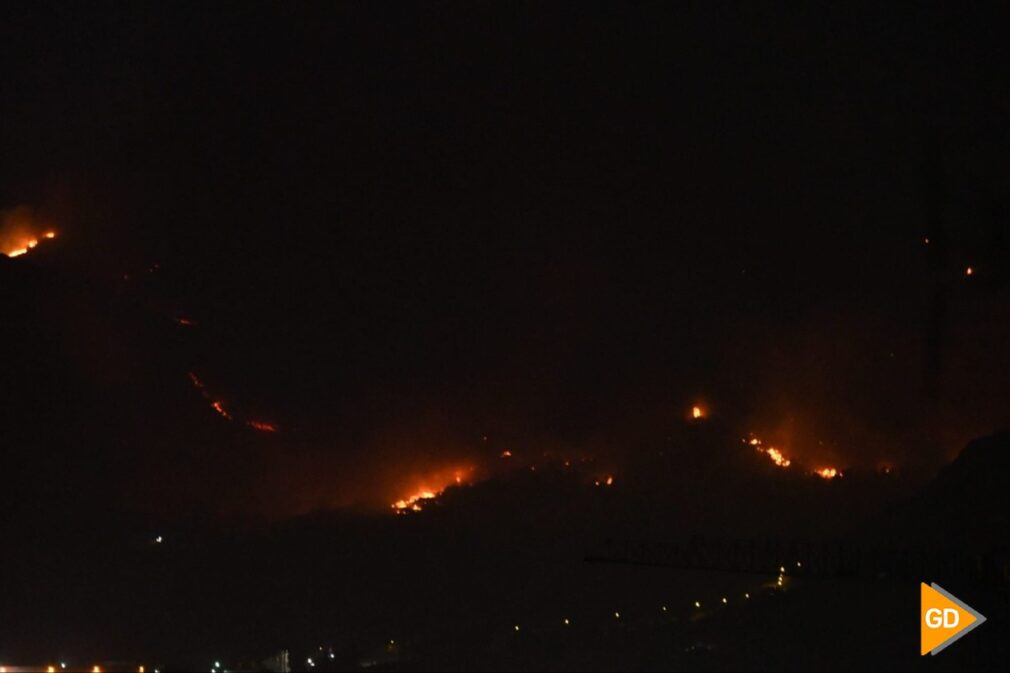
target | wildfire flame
x=828, y=472
x=24, y=245
x=773, y=454
x=414, y=502
x=262, y=426
x=219, y=408
x=697, y=412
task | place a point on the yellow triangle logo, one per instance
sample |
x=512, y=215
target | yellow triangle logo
x=943, y=619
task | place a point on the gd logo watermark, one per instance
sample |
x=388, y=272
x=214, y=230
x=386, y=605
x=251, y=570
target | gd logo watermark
x=943, y=619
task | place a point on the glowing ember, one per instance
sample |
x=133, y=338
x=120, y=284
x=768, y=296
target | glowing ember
x=219, y=408
x=506, y=454
x=697, y=412
x=969, y=271
x=262, y=426
x=774, y=454
x=185, y=322
x=828, y=473
x=777, y=457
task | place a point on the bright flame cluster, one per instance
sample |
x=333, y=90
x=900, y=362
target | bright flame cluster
x=415, y=501
x=781, y=460
x=28, y=244
x=774, y=454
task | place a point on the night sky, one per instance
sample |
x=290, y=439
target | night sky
x=548, y=221
x=402, y=228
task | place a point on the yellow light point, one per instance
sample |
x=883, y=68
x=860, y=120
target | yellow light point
x=516, y=627
x=610, y=481
x=746, y=595
x=697, y=412
x=617, y=615
x=50, y=669
x=140, y=669
x=49, y=234
x=724, y=600
x=969, y=271
x=96, y=669
x=782, y=569
x=799, y=565
x=664, y=608
x=697, y=604
x=567, y=622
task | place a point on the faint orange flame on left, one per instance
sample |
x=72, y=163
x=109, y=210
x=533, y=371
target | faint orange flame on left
x=25, y=245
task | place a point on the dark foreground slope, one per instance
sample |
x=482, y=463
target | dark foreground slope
x=107, y=558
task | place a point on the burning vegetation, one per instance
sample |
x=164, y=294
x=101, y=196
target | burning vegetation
x=431, y=487
x=22, y=246
x=21, y=231
x=781, y=460
x=219, y=407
